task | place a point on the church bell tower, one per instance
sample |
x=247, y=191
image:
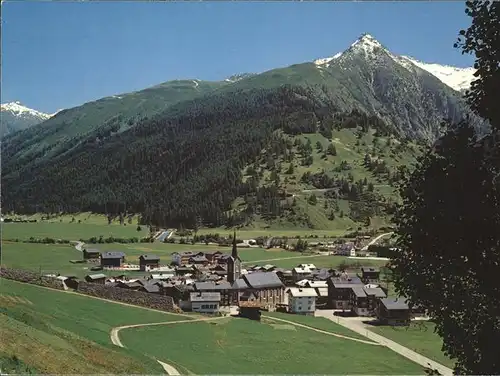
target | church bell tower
x=234, y=263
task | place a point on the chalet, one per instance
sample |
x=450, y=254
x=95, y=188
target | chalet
x=364, y=303
x=112, y=259
x=182, y=258
x=370, y=274
x=346, y=249
x=198, y=260
x=179, y=292
x=91, y=254
x=148, y=261
x=302, y=301
x=96, y=278
x=184, y=270
x=340, y=290
x=223, y=259
x=212, y=256
x=393, y=312
x=151, y=288
x=268, y=268
x=302, y=271
x=205, y=302
x=286, y=276
x=323, y=274
x=268, y=287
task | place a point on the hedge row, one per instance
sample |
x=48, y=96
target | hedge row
x=33, y=278
x=139, y=298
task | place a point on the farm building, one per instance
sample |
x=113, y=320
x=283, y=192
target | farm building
x=112, y=259
x=364, y=299
x=91, y=253
x=96, y=278
x=205, y=302
x=148, y=261
x=393, y=312
x=250, y=309
x=340, y=290
x=370, y=274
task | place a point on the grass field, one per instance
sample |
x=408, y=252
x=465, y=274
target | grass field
x=55, y=258
x=66, y=333
x=69, y=231
x=422, y=340
x=316, y=322
x=241, y=346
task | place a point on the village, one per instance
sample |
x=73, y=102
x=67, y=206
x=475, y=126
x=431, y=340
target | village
x=217, y=283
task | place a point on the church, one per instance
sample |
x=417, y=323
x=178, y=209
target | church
x=263, y=288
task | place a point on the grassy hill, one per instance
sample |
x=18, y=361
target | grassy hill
x=53, y=332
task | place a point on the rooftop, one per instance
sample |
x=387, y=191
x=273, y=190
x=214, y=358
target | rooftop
x=205, y=296
x=149, y=257
x=300, y=292
x=112, y=255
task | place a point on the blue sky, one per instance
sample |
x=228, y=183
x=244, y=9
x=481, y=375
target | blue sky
x=61, y=54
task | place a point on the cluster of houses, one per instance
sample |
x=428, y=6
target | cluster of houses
x=213, y=282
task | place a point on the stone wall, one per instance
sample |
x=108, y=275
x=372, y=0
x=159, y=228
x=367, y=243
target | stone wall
x=139, y=298
x=33, y=278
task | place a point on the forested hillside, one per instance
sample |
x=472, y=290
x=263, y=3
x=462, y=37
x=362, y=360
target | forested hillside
x=188, y=165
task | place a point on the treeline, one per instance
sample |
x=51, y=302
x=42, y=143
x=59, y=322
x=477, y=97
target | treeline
x=182, y=167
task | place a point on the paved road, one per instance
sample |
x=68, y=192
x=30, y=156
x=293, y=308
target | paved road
x=356, y=325
x=374, y=241
x=322, y=331
x=170, y=370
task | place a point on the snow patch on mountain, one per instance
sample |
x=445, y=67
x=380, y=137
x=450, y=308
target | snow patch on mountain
x=458, y=79
x=16, y=108
x=238, y=77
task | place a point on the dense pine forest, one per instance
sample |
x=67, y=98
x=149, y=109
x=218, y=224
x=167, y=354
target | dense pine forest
x=187, y=165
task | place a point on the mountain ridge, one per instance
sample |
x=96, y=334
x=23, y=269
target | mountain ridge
x=16, y=116
x=459, y=79
x=224, y=153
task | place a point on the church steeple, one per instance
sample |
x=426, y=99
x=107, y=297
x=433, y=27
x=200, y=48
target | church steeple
x=234, y=263
x=234, y=252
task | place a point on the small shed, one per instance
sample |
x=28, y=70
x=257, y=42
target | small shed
x=96, y=278
x=393, y=312
x=91, y=253
x=250, y=309
x=112, y=259
x=148, y=260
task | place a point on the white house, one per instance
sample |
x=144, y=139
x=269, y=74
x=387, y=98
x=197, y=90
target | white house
x=302, y=300
x=302, y=271
x=205, y=302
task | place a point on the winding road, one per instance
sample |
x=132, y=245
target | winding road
x=170, y=370
x=374, y=241
x=357, y=325
x=322, y=331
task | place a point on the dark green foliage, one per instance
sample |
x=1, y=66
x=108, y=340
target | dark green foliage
x=450, y=260
x=483, y=39
x=449, y=223
x=174, y=168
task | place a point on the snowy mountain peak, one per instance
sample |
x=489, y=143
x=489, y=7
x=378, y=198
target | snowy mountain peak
x=365, y=44
x=16, y=108
x=458, y=79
